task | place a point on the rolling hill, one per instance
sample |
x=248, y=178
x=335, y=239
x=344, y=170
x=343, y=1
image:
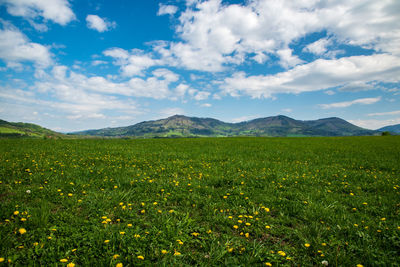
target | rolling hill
x=391, y=128
x=20, y=129
x=183, y=126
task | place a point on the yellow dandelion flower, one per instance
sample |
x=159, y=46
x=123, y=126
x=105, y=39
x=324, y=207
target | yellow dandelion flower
x=195, y=234
x=143, y=211
x=247, y=235
x=23, y=219
x=70, y=194
x=268, y=264
x=140, y=257
x=323, y=244
x=1, y=259
x=106, y=241
x=235, y=226
x=177, y=253
x=129, y=225
x=307, y=245
x=121, y=233
x=116, y=256
x=282, y=253
x=164, y=251
x=22, y=231
x=268, y=227
x=209, y=232
x=36, y=244
x=171, y=211
x=230, y=250
x=63, y=260
x=383, y=219
x=71, y=264
x=360, y=265
x=248, y=224
x=16, y=212
x=119, y=265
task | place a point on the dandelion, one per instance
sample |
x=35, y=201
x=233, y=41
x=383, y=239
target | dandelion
x=1, y=259
x=325, y=263
x=16, y=212
x=22, y=231
x=282, y=253
x=323, y=244
x=235, y=226
x=106, y=241
x=383, y=219
x=116, y=256
x=247, y=235
x=71, y=264
x=143, y=211
x=171, y=211
x=36, y=244
x=63, y=260
x=140, y=257
x=70, y=194
x=177, y=253
x=129, y=225
x=268, y=264
x=28, y=191
x=23, y=219
x=307, y=245
x=195, y=234
x=209, y=232
x=164, y=251
x=268, y=227
x=119, y=265
x=360, y=265
x=248, y=224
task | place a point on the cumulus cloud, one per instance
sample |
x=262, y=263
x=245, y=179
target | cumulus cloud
x=317, y=75
x=345, y=104
x=58, y=11
x=214, y=35
x=167, y=10
x=132, y=63
x=94, y=22
x=375, y=124
x=16, y=48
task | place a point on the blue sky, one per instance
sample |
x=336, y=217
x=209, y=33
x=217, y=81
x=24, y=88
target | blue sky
x=72, y=65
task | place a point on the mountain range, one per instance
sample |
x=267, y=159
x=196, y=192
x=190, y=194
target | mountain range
x=183, y=126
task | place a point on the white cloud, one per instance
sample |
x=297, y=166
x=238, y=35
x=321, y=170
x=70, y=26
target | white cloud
x=361, y=101
x=214, y=34
x=375, y=124
x=132, y=63
x=167, y=10
x=94, y=22
x=206, y=105
x=15, y=48
x=319, y=47
x=171, y=112
x=357, y=86
x=244, y=118
x=318, y=75
x=99, y=62
x=58, y=11
x=395, y=112
x=202, y=95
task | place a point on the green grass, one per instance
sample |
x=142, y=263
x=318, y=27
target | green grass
x=186, y=197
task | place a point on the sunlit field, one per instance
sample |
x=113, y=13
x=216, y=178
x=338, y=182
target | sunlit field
x=208, y=201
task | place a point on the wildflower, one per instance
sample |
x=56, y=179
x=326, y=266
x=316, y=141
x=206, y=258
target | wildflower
x=177, y=253
x=365, y=203
x=121, y=233
x=307, y=245
x=383, y=219
x=140, y=257
x=179, y=242
x=28, y=191
x=360, y=265
x=143, y=211
x=268, y=264
x=70, y=194
x=247, y=235
x=63, y=260
x=325, y=263
x=164, y=251
x=268, y=227
x=71, y=264
x=106, y=241
x=230, y=250
x=235, y=226
x=129, y=225
x=119, y=265
x=282, y=253
x=323, y=244
x=23, y=219
x=1, y=259
x=22, y=231
x=16, y=212
x=116, y=256
x=35, y=244
x=248, y=224
x=195, y=234
x=266, y=209
x=171, y=211
x=209, y=232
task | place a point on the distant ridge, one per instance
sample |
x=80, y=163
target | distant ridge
x=183, y=126
x=391, y=128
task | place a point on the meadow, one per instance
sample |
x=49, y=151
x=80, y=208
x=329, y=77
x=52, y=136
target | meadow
x=200, y=202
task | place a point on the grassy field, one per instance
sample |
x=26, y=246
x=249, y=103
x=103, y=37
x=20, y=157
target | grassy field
x=209, y=202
